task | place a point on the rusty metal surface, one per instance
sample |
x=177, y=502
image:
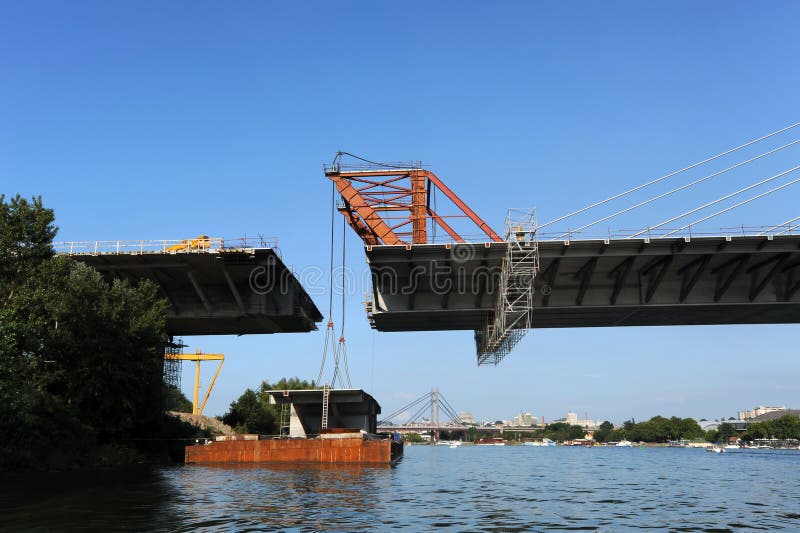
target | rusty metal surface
x=294, y=451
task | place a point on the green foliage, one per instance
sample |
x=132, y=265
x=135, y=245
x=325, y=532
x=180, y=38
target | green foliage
x=657, y=429
x=724, y=432
x=561, y=431
x=603, y=433
x=178, y=399
x=660, y=429
x=294, y=383
x=252, y=412
x=81, y=358
x=413, y=437
x=785, y=427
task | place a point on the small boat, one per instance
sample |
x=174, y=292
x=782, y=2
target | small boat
x=450, y=443
x=715, y=449
x=544, y=442
x=496, y=441
x=624, y=444
x=732, y=447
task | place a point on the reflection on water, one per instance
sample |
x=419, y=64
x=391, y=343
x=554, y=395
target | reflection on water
x=467, y=488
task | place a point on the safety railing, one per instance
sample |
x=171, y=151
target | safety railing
x=161, y=246
x=671, y=233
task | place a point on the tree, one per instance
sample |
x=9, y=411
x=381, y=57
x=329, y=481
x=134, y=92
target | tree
x=81, y=359
x=250, y=414
x=724, y=432
x=603, y=433
x=253, y=412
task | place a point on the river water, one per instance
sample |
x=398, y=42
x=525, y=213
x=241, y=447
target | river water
x=470, y=488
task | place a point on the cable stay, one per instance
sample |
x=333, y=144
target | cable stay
x=675, y=190
x=763, y=194
x=714, y=202
x=667, y=176
x=430, y=402
x=789, y=229
x=787, y=224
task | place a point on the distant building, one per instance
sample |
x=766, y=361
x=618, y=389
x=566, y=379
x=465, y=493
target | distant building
x=525, y=419
x=758, y=411
x=467, y=418
x=573, y=420
x=772, y=415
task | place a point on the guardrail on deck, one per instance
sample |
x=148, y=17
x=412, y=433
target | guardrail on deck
x=196, y=245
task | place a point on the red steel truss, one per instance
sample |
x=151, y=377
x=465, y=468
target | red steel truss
x=381, y=202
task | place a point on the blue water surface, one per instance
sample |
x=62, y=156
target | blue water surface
x=469, y=488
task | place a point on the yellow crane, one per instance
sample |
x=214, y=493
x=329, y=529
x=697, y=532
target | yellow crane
x=197, y=357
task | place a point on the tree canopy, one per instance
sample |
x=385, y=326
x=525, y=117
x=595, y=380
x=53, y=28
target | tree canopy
x=81, y=357
x=252, y=412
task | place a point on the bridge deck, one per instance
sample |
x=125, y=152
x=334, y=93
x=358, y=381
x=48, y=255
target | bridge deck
x=218, y=292
x=630, y=282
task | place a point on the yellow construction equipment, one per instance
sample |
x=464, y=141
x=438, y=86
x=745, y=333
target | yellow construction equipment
x=202, y=242
x=197, y=357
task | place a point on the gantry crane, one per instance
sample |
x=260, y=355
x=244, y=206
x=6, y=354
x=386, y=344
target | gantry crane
x=197, y=357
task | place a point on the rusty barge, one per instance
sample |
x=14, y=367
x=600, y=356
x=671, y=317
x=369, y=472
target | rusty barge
x=349, y=435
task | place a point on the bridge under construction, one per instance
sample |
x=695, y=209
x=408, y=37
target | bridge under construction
x=213, y=287
x=502, y=286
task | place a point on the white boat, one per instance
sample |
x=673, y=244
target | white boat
x=451, y=443
x=624, y=444
x=715, y=449
x=732, y=447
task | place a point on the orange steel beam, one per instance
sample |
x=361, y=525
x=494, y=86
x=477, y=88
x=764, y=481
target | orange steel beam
x=367, y=213
x=363, y=204
x=419, y=220
x=464, y=207
x=445, y=226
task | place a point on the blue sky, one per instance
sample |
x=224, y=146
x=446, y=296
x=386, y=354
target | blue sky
x=160, y=120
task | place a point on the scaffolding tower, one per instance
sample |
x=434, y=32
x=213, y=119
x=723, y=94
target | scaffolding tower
x=172, y=374
x=511, y=318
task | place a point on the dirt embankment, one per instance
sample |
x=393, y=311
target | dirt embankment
x=204, y=422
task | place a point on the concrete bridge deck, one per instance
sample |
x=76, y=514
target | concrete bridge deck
x=219, y=291
x=623, y=282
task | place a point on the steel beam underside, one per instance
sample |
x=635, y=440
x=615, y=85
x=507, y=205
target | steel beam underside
x=632, y=282
x=211, y=293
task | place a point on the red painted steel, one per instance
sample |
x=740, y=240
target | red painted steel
x=365, y=200
x=295, y=451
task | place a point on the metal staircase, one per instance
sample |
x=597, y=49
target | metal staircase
x=511, y=318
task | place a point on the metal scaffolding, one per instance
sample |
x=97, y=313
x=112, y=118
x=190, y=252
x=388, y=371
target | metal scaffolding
x=513, y=307
x=172, y=374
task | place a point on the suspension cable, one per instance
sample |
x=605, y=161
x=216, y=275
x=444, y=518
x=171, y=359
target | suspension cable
x=678, y=189
x=718, y=200
x=666, y=176
x=734, y=206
